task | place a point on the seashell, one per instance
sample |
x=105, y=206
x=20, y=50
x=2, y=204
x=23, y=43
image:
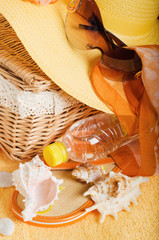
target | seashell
x=6, y=179
x=6, y=226
x=87, y=172
x=113, y=193
x=39, y=187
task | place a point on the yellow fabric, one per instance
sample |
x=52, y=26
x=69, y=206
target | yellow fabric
x=41, y=30
x=134, y=22
x=140, y=223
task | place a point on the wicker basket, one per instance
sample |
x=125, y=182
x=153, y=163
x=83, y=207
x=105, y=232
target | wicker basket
x=21, y=138
x=16, y=63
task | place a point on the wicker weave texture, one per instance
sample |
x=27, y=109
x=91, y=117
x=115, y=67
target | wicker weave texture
x=21, y=68
x=21, y=138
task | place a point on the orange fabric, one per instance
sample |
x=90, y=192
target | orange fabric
x=114, y=100
x=148, y=137
x=134, y=91
x=150, y=72
x=138, y=112
x=147, y=95
x=127, y=160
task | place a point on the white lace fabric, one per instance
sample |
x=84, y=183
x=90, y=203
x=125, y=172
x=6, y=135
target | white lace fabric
x=27, y=103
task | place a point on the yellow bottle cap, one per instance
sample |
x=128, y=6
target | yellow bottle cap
x=55, y=154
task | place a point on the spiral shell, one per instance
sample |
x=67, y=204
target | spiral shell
x=87, y=172
x=36, y=183
x=114, y=192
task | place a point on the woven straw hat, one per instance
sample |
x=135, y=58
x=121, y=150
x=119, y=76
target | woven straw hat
x=134, y=22
x=41, y=30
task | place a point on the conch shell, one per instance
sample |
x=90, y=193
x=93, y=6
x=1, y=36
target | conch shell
x=39, y=187
x=114, y=192
x=88, y=172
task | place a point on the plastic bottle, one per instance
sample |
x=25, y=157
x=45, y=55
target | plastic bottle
x=88, y=139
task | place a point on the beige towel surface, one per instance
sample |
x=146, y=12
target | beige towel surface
x=141, y=223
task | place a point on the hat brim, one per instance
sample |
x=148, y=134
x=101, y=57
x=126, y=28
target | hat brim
x=134, y=22
x=41, y=30
x=149, y=38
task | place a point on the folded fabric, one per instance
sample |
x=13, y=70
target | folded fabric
x=139, y=111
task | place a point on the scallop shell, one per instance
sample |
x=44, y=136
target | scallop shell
x=39, y=187
x=88, y=172
x=113, y=193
